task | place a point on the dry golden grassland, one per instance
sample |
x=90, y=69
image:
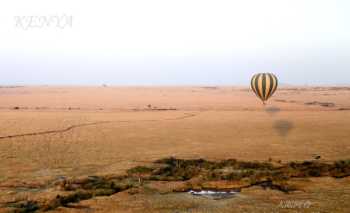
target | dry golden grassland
x=95, y=149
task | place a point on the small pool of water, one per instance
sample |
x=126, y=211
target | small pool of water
x=215, y=194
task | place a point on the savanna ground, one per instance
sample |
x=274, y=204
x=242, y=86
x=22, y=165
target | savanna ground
x=54, y=136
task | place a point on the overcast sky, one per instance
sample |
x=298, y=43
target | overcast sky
x=179, y=42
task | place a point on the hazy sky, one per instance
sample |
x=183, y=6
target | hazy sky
x=164, y=42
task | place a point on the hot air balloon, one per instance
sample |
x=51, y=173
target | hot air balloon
x=264, y=85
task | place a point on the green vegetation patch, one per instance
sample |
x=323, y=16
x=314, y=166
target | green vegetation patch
x=248, y=174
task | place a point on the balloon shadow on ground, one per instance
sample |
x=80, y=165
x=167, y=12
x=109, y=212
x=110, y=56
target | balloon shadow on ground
x=283, y=127
x=272, y=110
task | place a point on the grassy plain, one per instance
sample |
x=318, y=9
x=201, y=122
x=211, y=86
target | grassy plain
x=52, y=133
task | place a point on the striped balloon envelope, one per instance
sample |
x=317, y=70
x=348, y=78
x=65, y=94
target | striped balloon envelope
x=264, y=85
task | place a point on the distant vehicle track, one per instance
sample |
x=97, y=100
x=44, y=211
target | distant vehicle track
x=186, y=115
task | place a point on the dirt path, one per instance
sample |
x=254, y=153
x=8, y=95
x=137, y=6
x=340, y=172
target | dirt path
x=185, y=116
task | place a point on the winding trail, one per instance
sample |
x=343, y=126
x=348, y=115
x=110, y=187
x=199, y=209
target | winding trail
x=185, y=116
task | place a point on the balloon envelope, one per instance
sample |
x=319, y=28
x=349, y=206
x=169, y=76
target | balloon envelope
x=264, y=85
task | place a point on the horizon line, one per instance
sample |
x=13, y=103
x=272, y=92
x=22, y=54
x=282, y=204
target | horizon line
x=164, y=85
